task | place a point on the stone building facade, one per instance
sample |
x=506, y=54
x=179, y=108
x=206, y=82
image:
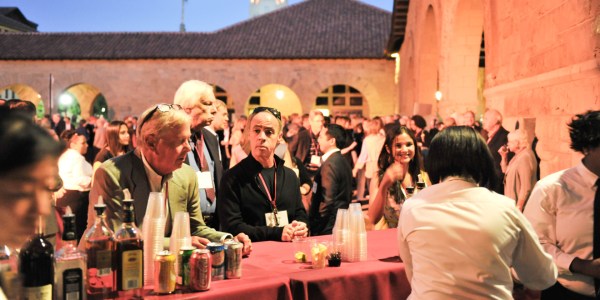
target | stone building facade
x=542, y=63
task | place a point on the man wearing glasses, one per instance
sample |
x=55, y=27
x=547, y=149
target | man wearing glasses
x=259, y=196
x=155, y=166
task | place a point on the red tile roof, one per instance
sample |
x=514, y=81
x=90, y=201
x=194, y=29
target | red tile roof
x=310, y=29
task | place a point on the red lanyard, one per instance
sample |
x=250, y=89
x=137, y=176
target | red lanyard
x=274, y=199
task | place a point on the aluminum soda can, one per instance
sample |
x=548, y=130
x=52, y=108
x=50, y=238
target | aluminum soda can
x=200, y=270
x=185, y=253
x=233, y=259
x=218, y=260
x=165, y=277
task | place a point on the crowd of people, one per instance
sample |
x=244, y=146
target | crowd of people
x=456, y=190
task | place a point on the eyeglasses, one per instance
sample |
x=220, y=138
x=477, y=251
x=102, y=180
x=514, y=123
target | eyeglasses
x=163, y=108
x=273, y=111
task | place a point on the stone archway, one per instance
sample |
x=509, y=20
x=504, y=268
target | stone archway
x=85, y=94
x=428, y=64
x=277, y=96
x=461, y=72
x=24, y=92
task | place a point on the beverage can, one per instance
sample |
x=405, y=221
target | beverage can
x=200, y=270
x=233, y=259
x=185, y=253
x=217, y=254
x=165, y=277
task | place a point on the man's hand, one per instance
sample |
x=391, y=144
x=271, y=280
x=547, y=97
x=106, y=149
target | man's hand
x=244, y=239
x=199, y=242
x=300, y=229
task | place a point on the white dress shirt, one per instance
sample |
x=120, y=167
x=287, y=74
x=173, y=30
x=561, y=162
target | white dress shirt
x=460, y=241
x=75, y=171
x=561, y=209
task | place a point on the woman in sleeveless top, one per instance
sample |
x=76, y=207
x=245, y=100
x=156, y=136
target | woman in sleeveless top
x=400, y=166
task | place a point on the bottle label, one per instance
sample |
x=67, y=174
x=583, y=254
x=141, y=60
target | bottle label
x=38, y=293
x=132, y=269
x=104, y=262
x=73, y=284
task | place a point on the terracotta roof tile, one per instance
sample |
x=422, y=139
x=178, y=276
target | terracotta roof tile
x=310, y=29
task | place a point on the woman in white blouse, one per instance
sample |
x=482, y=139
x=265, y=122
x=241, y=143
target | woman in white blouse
x=76, y=174
x=460, y=240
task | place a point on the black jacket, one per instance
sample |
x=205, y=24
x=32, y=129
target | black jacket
x=334, y=191
x=243, y=202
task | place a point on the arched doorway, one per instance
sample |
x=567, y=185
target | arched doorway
x=24, y=92
x=342, y=99
x=277, y=96
x=87, y=97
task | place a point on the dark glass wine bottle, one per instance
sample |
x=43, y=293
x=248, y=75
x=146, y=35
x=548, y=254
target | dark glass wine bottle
x=36, y=266
x=100, y=247
x=71, y=263
x=130, y=255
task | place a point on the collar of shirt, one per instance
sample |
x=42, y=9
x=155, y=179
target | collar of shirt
x=587, y=176
x=328, y=154
x=491, y=133
x=210, y=130
x=156, y=181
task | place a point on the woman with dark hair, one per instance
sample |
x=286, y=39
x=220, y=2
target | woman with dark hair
x=117, y=142
x=400, y=166
x=460, y=240
x=76, y=174
x=564, y=209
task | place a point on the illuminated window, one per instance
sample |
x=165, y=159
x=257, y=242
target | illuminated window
x=341, y=99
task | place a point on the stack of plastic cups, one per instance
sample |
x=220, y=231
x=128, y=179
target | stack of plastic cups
x=180, y=236
x=357, y=235
x=340, y=233
x=153, y=231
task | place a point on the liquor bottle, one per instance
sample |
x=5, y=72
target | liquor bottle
x=99, y=243
x=36, y=266
x=71, y=263
x=130, y=255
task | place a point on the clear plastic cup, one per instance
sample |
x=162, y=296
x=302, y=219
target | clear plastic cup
x=301, y=249
x=319, y=251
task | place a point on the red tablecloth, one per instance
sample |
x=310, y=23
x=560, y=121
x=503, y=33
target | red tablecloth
x=271, y=273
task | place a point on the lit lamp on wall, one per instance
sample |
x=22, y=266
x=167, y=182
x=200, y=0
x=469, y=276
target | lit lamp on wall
x=279, y=94
x=438, y=98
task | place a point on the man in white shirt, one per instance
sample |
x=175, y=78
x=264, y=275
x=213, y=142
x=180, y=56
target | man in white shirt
x=561, y=209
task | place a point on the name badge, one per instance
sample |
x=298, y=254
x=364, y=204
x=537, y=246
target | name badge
x=282, y=219
x=314, y=189
x=204, y=180
x=315, y=160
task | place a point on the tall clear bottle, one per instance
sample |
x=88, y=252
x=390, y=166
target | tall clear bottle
x=71, y=263
x=130, y=255
x=99, y=241
x=36, y=266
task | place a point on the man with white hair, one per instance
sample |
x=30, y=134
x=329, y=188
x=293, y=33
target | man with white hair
x=155, y=166
x=497, y=136
x=198, y=101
